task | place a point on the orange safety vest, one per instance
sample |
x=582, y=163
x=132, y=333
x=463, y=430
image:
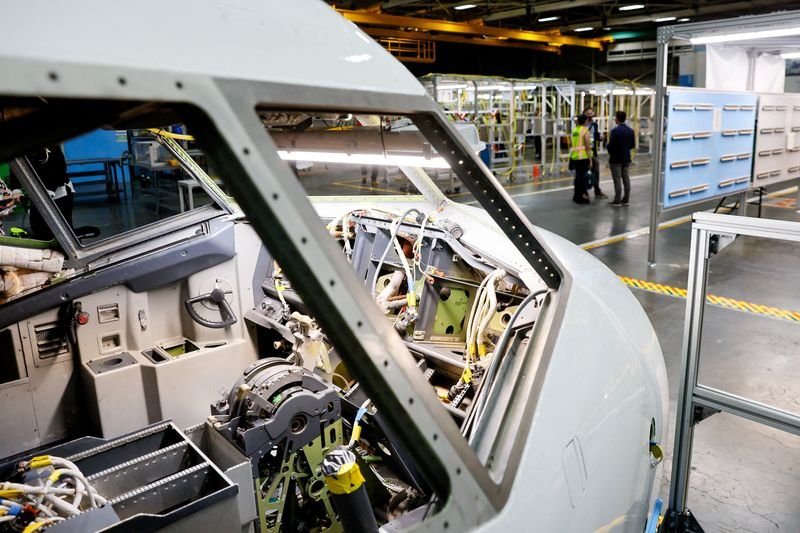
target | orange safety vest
x=577, y=149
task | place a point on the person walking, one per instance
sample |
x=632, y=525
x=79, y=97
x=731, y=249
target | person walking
x=580, y=155
x=594, y=135
x=620, y=143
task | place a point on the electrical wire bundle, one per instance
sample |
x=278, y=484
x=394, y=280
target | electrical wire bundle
x=50, y=489
x=482, y=312
x=478, y=321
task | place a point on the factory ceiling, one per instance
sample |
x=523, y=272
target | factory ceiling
x=590, y=21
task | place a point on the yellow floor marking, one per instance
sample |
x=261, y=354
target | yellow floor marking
x=671, y=223
x=719, y=301
x=518, y=185
x=362, y=187
x=635, y=233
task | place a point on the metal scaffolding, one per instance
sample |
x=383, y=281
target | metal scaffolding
x=608, y=98
x=524, y=122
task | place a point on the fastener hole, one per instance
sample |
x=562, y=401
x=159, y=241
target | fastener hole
x=246, y=151
x=303, y=240
x=179, y=84
x=332, y=283
x=53, y=76
x=274, y=196
x=411, y=401
x=359, y=324
x=121, y=80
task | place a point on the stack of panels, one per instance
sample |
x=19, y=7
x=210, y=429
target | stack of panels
x=777, y=140
x=709, y=144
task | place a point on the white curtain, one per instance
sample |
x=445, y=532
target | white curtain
x=770, y=75
x=726, y=68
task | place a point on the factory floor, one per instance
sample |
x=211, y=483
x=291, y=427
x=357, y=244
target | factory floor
x=745, y=477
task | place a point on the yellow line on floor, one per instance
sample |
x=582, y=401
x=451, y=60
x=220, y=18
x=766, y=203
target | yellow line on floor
x=635, y=233
x=671, y=223
x=518, y=185
x=719, y=301
x=362, y=187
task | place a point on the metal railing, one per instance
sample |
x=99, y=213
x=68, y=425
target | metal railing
x=710, y=234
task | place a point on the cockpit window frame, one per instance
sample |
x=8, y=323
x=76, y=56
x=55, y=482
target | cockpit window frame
x=497, y=488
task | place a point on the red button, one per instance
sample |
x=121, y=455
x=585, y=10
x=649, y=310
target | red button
x=82, y=319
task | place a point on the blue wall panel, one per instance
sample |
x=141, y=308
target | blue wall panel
x=96, y=144
x=709, y=144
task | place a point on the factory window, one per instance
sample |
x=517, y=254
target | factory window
x=347, y=154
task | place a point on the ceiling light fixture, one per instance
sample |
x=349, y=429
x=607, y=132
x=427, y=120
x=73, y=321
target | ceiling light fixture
x=665, y=19
x=464, y=6
x=587, y=28
x=791, y=55
x=548, y=19
x=746, y=36
x=632, y=7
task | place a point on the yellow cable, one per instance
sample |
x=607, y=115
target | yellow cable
x=35, y=526
x=164, y=133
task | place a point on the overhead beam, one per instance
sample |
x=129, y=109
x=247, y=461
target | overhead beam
x=461, y=28
x=397, y=3
x=541, y=8
x=424, y=36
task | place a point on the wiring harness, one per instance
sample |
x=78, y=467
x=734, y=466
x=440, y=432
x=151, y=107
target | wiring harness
x=49, y=489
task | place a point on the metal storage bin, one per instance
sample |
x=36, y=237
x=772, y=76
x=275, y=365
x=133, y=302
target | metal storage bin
x=153, y=479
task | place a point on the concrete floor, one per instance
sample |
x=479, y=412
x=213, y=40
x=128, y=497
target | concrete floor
x=745, y=477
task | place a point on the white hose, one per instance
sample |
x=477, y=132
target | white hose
x=491, y=306
x=390, y=290
x=61, y=505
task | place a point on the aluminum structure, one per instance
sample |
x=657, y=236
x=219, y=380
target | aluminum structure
x=721, y=29
x=710, y=234
x=511, y=114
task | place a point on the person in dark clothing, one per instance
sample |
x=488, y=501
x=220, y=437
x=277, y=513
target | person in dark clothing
x=51, y=167
x=622, y=140
x=594, y=134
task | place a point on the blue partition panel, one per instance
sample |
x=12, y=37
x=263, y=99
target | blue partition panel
x=709, y=144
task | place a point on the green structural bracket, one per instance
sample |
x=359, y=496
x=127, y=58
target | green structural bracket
x=300, y=471
x=451, y=313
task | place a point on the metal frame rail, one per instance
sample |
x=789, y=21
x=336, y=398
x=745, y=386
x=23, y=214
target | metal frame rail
x=710, y=234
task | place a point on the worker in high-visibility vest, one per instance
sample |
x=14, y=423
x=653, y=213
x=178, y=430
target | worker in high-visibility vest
x=580, y=154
